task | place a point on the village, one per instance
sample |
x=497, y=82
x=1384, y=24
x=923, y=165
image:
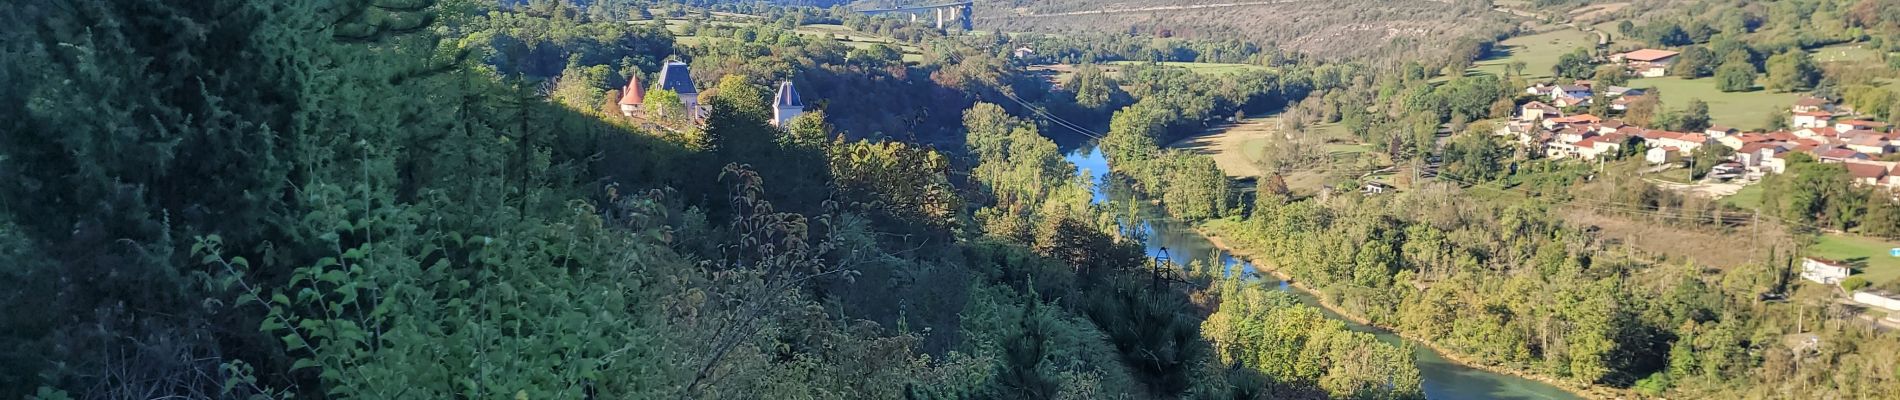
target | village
x=1553, y=127
x=1556, y=125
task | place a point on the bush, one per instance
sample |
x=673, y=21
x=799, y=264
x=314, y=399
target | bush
x=1854, y=283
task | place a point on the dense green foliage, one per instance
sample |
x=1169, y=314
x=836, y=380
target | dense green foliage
x=417, y=202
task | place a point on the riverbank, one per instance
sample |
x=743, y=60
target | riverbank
x=1580, y=390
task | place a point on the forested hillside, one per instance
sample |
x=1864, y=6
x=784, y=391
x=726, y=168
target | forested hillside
x=382, y=199
x=1331, y=30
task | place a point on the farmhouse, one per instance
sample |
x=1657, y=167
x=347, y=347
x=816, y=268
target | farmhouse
x=1648, y=63
x=1824, y=270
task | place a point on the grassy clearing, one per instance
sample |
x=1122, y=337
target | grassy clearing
x=1744, y=110
x=1539, y=52
x=1846, y=52
x=1749, y=197
x=1868, y=254
x=1202, y=68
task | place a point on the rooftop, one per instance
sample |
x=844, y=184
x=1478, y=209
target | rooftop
x=1649, y=55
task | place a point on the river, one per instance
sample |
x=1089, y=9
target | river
x=1443, y=379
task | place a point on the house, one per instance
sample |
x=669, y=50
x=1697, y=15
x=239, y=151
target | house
x=675, y=77
x=1813, y=119
x=1737, y=141
x=1718, y=131
x=1619, y=91
x=1832, y=154
x=1541, y=90
x=1574, y=120
x=1816, y=133
x=1573, y=91
x=1824, y=270
x=1610, y=126
x=1623, y=103
x=1867, y=144
x=1878, y=298
x=1659, y=155
x=1598, y=146
x=1854, y=124
x=1022, y=52
x=1567, y=101
x=1537, y=110
x=786, y=105
x=1752, y=156
x=631, y=96
x=1649, y=63
x=1893, y=177
x=1812, y=104
x=1685, y=143
x=1376, y=187
x=1865, y=173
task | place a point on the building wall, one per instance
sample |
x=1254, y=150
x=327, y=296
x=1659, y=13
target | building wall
x=1877, y=300
x=1823, y=273
x=782, y=116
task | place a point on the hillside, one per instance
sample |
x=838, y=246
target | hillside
x=1328, y=30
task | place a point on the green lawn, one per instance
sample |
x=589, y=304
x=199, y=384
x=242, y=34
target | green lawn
x=1203, y=68
x=1749, y=197
x=1743, y=110
x=1869, y=255
x=1539, y=52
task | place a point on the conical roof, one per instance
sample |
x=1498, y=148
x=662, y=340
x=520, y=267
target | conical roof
x=633, y=95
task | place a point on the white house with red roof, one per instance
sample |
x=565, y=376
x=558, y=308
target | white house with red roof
x=1868, y=173
x=1813, y=119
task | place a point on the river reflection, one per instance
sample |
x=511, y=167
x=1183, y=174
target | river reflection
x=1442, y=379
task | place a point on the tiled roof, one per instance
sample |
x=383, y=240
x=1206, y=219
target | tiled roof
x=633, y=94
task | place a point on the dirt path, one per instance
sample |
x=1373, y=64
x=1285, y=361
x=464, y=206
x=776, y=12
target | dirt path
x=1236, y=148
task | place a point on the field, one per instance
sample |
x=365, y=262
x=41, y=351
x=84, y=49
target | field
x=1869, y=256
x=1335, y=29
x=842, y=33
x=1743, y=110
x=1239, y=148
x=1848, y=52
x=1749, y=197
x=1539, y=52
x=1202, y=68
